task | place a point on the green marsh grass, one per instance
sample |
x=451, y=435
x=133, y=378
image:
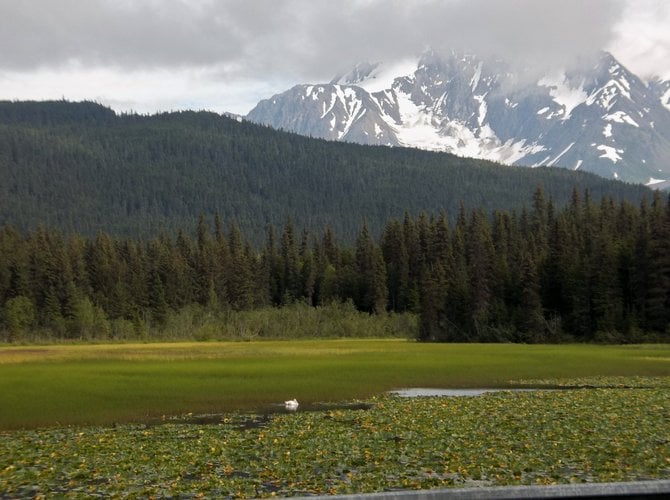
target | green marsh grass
x=103, y=384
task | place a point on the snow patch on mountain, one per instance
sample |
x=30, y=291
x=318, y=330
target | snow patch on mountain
x=376, y=77
x=475, y=78
x=610, y=153
x=481, y=115
x=564, y=94
x=607, y=131
x=353, y=106
x=621, y=117
x=555, y=160
x=417, y=128
x=327, y=108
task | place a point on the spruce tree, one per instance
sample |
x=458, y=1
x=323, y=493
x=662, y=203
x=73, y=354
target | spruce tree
x=396, y=259
x=372, y=291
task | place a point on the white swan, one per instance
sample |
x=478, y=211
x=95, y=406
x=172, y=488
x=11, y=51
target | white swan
x=291, y=404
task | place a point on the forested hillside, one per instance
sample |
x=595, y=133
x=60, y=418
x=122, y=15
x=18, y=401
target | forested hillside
x=79, y=167
x=594, y=270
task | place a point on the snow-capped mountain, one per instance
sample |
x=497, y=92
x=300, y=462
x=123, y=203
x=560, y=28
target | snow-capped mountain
x=661, y=89
x=603, y=119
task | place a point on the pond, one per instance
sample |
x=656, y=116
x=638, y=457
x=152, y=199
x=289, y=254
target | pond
x=259, y=418
x=416, y=392
x=262, y=416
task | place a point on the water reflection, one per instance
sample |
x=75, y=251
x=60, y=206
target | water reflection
x=415, y=392
x=283, y=408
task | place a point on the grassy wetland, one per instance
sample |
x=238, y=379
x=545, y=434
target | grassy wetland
x=187, y=419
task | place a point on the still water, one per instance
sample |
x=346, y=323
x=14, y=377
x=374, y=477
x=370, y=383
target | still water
x=415, y=392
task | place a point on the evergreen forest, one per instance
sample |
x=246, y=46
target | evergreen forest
x=592, y=270
x=82, y=169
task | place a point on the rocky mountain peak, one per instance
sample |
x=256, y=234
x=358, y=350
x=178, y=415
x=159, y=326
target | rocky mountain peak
x=358, y=73
x=598, y=117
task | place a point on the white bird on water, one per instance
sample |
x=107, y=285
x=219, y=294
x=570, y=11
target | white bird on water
x=291, y=404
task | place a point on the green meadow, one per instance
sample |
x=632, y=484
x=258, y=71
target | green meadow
x=59, y=385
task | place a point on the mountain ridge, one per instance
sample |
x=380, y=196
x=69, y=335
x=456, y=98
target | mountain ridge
x=80, y=167
x=601, y=118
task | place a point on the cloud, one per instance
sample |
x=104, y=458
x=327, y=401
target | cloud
x=263, y=44
x=298, y=36
x=642, y=38
x=127, y=34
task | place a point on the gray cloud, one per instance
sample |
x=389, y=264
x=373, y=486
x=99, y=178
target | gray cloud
x=234, y=43
x=107, y=32
x=298, y=37
x=527, y=32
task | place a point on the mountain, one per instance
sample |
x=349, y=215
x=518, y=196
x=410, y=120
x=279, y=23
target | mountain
x=600, y=118
x=81, y=167
x=661, y=90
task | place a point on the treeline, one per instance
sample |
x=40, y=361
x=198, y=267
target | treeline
x=592, y=271
x=136, y=176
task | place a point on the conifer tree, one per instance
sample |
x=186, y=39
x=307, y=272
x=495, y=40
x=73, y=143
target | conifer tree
x=439, y=248
x=656, y=247
x=157, y=303
x=240, y=280
x=372, y=291
x=413, y=249
x=103, y=271
x=307, y=270
x=271, y=263
x=529, y=314
x=290, y=277
x=221, y=258
x=458, y=303
x=397, y=265
x=204, y=264
x=480, y=256
x=433, y=325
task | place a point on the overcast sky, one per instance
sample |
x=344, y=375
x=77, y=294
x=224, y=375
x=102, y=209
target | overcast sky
x=225, y=55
